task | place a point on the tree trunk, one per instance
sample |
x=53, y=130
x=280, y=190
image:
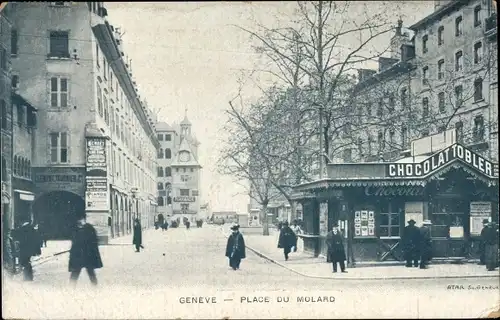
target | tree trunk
x=265, y=220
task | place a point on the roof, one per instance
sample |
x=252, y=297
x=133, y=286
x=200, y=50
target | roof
x=163, y=126
x=185, y=122
x=193, y=162
x=438, y=14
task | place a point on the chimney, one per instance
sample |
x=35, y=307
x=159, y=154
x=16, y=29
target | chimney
x=399, y=27
x=407, y=52
x=386, y=63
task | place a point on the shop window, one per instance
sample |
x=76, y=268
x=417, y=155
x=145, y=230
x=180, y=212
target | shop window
x=390, y=221
x=447, y=214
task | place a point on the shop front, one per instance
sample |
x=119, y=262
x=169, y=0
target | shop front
x=455, y=188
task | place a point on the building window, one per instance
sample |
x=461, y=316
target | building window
x=477, y=16
x=99, y=101
x=425, y=107
x=404, y=136
x=459, y=61
x=106, y=110
x=58, y=92
x=458, y=26
x=425, y=75
x=459, y=131
x=3, y=59
x=425, y=133
x=168, y=137
x=389, y=225
x=4, y=115
x=424, y=43
x=478, y=52
x=441, y=103
x=168, y=172
x=441, y=69
x=59, y=44
x=160, y=137
x=192, y=169
x=168, y=153
x=195, y=193
x=160, y=185
x=160, y=153
x=185, y=178
x=13, y=42
x=478, y=132
x=369, y=145
x=58, y=147
x=160, y=171
x=440, y=35
x=15, y=82
x=20, y=115
x=458, y=96
x=184, y=192
x=161, y=202
x=404, y=98
x=478, y=90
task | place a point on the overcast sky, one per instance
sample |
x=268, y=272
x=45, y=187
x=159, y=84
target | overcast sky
x=190, y=55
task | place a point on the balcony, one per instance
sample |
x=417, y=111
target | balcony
x=490, y=29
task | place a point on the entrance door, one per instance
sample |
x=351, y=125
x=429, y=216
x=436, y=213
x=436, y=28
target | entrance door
x=449, y=226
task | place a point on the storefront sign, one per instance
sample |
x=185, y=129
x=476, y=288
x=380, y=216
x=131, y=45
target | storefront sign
x=46, y=178
x=96, y=157
x=438, y=160
x=479, y=211
x=394, y=191
x=184, y=199
x=60, y=179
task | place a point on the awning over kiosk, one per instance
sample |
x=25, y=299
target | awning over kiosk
x=25, y=195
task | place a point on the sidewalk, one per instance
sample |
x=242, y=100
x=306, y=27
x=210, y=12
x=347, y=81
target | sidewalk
x=309, y=266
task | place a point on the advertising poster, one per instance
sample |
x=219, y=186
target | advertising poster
x=96, y=181
x=479, y=210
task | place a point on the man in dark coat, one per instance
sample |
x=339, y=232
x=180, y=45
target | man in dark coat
x=425, y=247
x=490, y=239
x=161, y=220
x=137, y=238
x=336, y=252
x=481, y=243
x=29, y=246
x=410, y=242
x=235, y=248
x=287, y=239
x=84, y=252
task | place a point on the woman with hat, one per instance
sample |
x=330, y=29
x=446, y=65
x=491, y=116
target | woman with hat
x=410, y=242
x=425, y=244
x=235, y=248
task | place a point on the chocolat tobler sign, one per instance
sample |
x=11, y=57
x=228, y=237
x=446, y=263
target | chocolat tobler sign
x=438, y=160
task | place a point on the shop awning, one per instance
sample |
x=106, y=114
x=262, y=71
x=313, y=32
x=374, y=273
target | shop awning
x=25, y=195
x=343, y=183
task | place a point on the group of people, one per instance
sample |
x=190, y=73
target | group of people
x=417, y=244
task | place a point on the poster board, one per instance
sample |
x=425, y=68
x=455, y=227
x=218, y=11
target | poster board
x=364, y=223
x=479, y=210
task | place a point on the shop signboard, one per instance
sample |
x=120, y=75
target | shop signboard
x=97, y=189
x=49, y=179
x=438, y=160
x=184, y=199
x=479, y=210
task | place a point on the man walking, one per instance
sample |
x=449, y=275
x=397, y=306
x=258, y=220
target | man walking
x=235, y=248
x=336, y=252
x=29, y=246
x=137, y=238
x=84, y=252
x=410, y=242
x=287, y=239
x=425, y=247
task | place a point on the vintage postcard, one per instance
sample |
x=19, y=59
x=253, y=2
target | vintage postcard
x=249, y=160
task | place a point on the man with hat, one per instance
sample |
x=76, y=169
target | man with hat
x=425, y=247
x=410, y=242
x=481, y=242
x=235, y=248
x=490, y=238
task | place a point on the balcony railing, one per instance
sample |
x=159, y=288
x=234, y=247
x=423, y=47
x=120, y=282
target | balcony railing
x=491, y=24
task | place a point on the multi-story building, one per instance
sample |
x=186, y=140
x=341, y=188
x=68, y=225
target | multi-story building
x=169, y=141
x=96, y=144
x=7, y=122
x=441, y=81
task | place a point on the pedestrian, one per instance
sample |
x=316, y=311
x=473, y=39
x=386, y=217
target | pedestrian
x=43, y=233
x=137, y=238
x=29, y=246
x=188, y=224
x=425, y=247
x=164, y=225
x=336, y=251
x=481, y=243
x=84, y=252
x=235, y=248
x=490, y=239
x=161, y=221
x=410, y=242
x=287, y=239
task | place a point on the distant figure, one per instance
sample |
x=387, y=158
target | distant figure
x=410, y=242
x=188, y=224
x=235, y=248
x=29, y=246
x=425, y=247
x=164, y=225
x=160, y=220
x=287, y=239
x=137, y=238
x=336, y=252
x=481, y=243
x=42, y=234
x=84, y=252
x=490, y=238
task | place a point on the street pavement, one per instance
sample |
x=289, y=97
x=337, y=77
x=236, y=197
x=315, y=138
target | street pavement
x=190, y=263
x=305, y=264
